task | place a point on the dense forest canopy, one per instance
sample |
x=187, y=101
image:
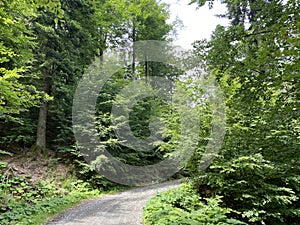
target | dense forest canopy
x=45, y=48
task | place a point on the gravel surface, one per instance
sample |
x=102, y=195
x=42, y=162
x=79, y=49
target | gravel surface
x=123, y=208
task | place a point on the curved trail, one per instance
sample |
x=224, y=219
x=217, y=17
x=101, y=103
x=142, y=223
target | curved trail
x=123, y=208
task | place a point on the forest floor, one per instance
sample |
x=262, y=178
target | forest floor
x=34, y=188
x=35, y=167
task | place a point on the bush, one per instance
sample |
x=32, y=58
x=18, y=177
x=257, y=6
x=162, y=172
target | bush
x=262, y=192
x=25, y=202
x=183, y=206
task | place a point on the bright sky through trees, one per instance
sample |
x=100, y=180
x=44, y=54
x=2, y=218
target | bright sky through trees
x=198, y=23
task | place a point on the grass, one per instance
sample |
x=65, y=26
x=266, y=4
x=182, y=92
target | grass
x=51, y=208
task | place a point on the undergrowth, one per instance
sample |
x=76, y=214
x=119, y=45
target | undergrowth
x=183, y=206
x=24, y=202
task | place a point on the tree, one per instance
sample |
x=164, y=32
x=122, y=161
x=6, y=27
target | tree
x=139, y=23
x=15, y=49
x=146, y=20
x=16, y=45
x=255, y=60
x=64, y=50
x=17, y=42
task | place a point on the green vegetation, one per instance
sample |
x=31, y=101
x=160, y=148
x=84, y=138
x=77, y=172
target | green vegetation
x=253, y=187
x=45, y=48
x=256, y=172
x=185, y=206
x=26, y=202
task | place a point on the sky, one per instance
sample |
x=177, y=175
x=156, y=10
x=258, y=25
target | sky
x=198, y=24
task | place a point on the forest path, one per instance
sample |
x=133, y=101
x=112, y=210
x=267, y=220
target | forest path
x=124, y=208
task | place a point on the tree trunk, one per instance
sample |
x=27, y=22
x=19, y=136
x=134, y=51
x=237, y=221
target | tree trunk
x=101, y=55
x=153, y=83
x=40, y=146
x=147, y=69
x=133, y=53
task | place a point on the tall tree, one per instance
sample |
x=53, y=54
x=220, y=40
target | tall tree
x=64, y=50
x=147, y=20
x=17, y=42
x=256, y=60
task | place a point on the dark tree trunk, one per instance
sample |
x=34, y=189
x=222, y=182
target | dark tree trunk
x=147, y=69
x=101, y=55
x=40, y=146
x=153, y=82
x=133, y=53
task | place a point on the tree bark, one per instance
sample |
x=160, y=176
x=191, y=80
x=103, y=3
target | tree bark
x=133, y=53
x=147, y=69
x=40, y=146
x=153, y=82
x=101, y=57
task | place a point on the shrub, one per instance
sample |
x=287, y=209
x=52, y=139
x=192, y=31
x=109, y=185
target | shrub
x=261, y=191
x=183, y=206
x=25, y=202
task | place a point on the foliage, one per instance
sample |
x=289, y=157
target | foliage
x=184, y=206
x=256, y=60
x=45, y=47
x=254, y=187
x=16, y=56
x=23, y=201
x=16, y=43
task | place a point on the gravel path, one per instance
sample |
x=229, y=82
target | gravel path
x=123, y=208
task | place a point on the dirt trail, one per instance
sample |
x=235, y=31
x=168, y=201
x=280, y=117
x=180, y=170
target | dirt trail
x=123, y=208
